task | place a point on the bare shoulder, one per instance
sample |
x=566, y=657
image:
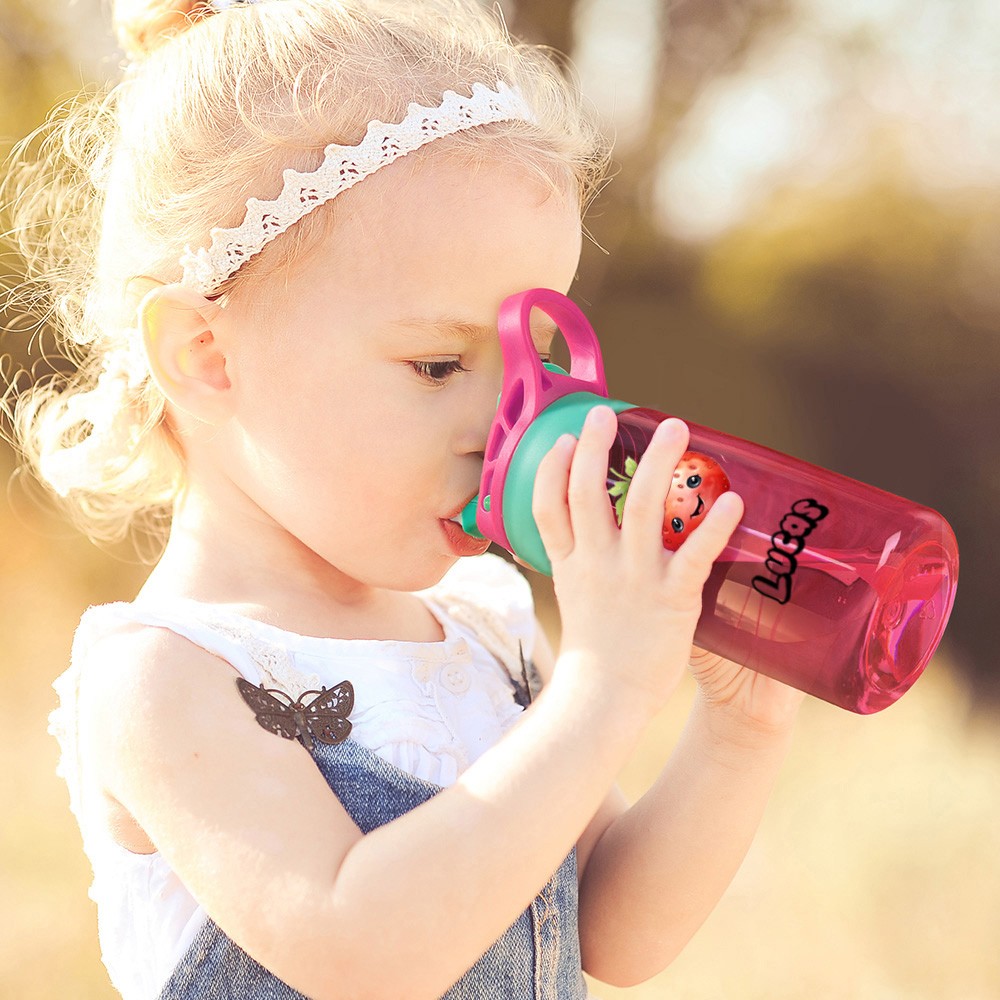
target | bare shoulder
x=174, y=743
x=237, y=812
x=138, y=664
x=141, y=691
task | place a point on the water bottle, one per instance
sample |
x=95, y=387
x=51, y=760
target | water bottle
x=830, y=585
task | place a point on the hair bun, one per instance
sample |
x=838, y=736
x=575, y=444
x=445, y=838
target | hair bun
x=142, y=25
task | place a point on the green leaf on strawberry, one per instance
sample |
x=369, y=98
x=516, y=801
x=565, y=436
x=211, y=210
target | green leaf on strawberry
x=618, y=490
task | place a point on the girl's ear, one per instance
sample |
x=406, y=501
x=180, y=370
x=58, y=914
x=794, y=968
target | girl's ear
x=187, y=356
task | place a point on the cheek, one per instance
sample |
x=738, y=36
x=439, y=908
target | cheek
x=366, y=460
x=319, y=448
x=293, y=445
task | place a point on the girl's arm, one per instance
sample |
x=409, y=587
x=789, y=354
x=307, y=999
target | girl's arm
x=250, y=827
x=659, y=868
x=248, y=824
x=651, y=874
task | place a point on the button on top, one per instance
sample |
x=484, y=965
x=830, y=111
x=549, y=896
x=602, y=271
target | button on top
x=455, y=679
x=422, y=672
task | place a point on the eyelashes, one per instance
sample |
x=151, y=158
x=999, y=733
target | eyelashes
x=438, y=372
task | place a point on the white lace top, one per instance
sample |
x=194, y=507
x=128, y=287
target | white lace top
x=428, y=708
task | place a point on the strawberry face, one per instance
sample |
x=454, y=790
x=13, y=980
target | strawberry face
x=698, y=482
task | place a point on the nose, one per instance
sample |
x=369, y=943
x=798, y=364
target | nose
x=480, y=410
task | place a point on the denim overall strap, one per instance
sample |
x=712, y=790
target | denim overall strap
x=536, y=958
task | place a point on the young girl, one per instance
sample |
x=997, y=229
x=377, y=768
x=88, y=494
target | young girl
x=296, y=222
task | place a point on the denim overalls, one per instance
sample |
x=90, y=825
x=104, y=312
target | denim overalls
x=536, y=958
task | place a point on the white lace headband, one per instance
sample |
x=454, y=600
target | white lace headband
x=342, y=168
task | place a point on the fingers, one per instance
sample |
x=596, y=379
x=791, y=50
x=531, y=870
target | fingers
x=691, y=564
x=549, y=505
x=642, y=524
x=570, y=500
x=590, y=507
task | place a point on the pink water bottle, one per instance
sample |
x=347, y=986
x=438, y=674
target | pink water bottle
x=835, y=587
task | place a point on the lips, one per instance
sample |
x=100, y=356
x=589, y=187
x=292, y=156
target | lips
x=456, y=514
x=700, y=507
x=459, y=542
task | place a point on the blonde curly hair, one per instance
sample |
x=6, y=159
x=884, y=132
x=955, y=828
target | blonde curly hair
x=214, y=106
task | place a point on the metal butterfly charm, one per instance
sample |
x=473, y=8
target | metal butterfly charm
x=324, y=718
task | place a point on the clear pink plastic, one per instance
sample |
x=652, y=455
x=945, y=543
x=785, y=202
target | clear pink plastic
x=833, y=586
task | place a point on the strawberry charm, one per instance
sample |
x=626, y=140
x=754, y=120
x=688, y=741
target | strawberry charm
x=698, y=482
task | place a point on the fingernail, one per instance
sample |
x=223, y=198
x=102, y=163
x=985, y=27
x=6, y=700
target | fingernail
x=670, y=427
x=598, y=416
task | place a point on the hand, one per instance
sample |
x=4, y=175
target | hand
x=628, y=606
x=745, y=696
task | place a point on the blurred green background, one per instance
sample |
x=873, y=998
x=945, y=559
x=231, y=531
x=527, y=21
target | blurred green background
x=801, y=247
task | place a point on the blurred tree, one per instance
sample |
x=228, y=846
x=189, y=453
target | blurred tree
x=34, y=71
x=692, y=43
x=549, y=23
x=848, y=321
x=869, y=304
x=33, y=67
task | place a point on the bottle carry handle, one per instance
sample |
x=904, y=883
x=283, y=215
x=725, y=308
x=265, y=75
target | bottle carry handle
x=529, y=387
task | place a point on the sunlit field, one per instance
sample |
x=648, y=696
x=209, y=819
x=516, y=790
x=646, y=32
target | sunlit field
x=875, y=874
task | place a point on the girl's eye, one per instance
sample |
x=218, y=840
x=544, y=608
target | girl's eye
x=438, y=372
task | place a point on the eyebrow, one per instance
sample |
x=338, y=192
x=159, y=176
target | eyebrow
x=444, y=327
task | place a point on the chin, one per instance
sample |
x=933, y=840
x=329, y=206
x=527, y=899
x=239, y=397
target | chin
x=417, y=577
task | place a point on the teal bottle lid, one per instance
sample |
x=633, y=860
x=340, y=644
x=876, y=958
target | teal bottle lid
x=564, y=416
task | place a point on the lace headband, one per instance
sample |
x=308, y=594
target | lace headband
x=342, y=168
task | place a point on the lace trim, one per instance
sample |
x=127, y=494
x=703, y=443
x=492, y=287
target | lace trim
x=489, y=627
x=342, y=168
x=274, y=662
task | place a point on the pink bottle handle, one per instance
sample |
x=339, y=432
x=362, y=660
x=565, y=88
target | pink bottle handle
x=528, y=388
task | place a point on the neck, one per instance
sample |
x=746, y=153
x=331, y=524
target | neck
x=274, y=578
